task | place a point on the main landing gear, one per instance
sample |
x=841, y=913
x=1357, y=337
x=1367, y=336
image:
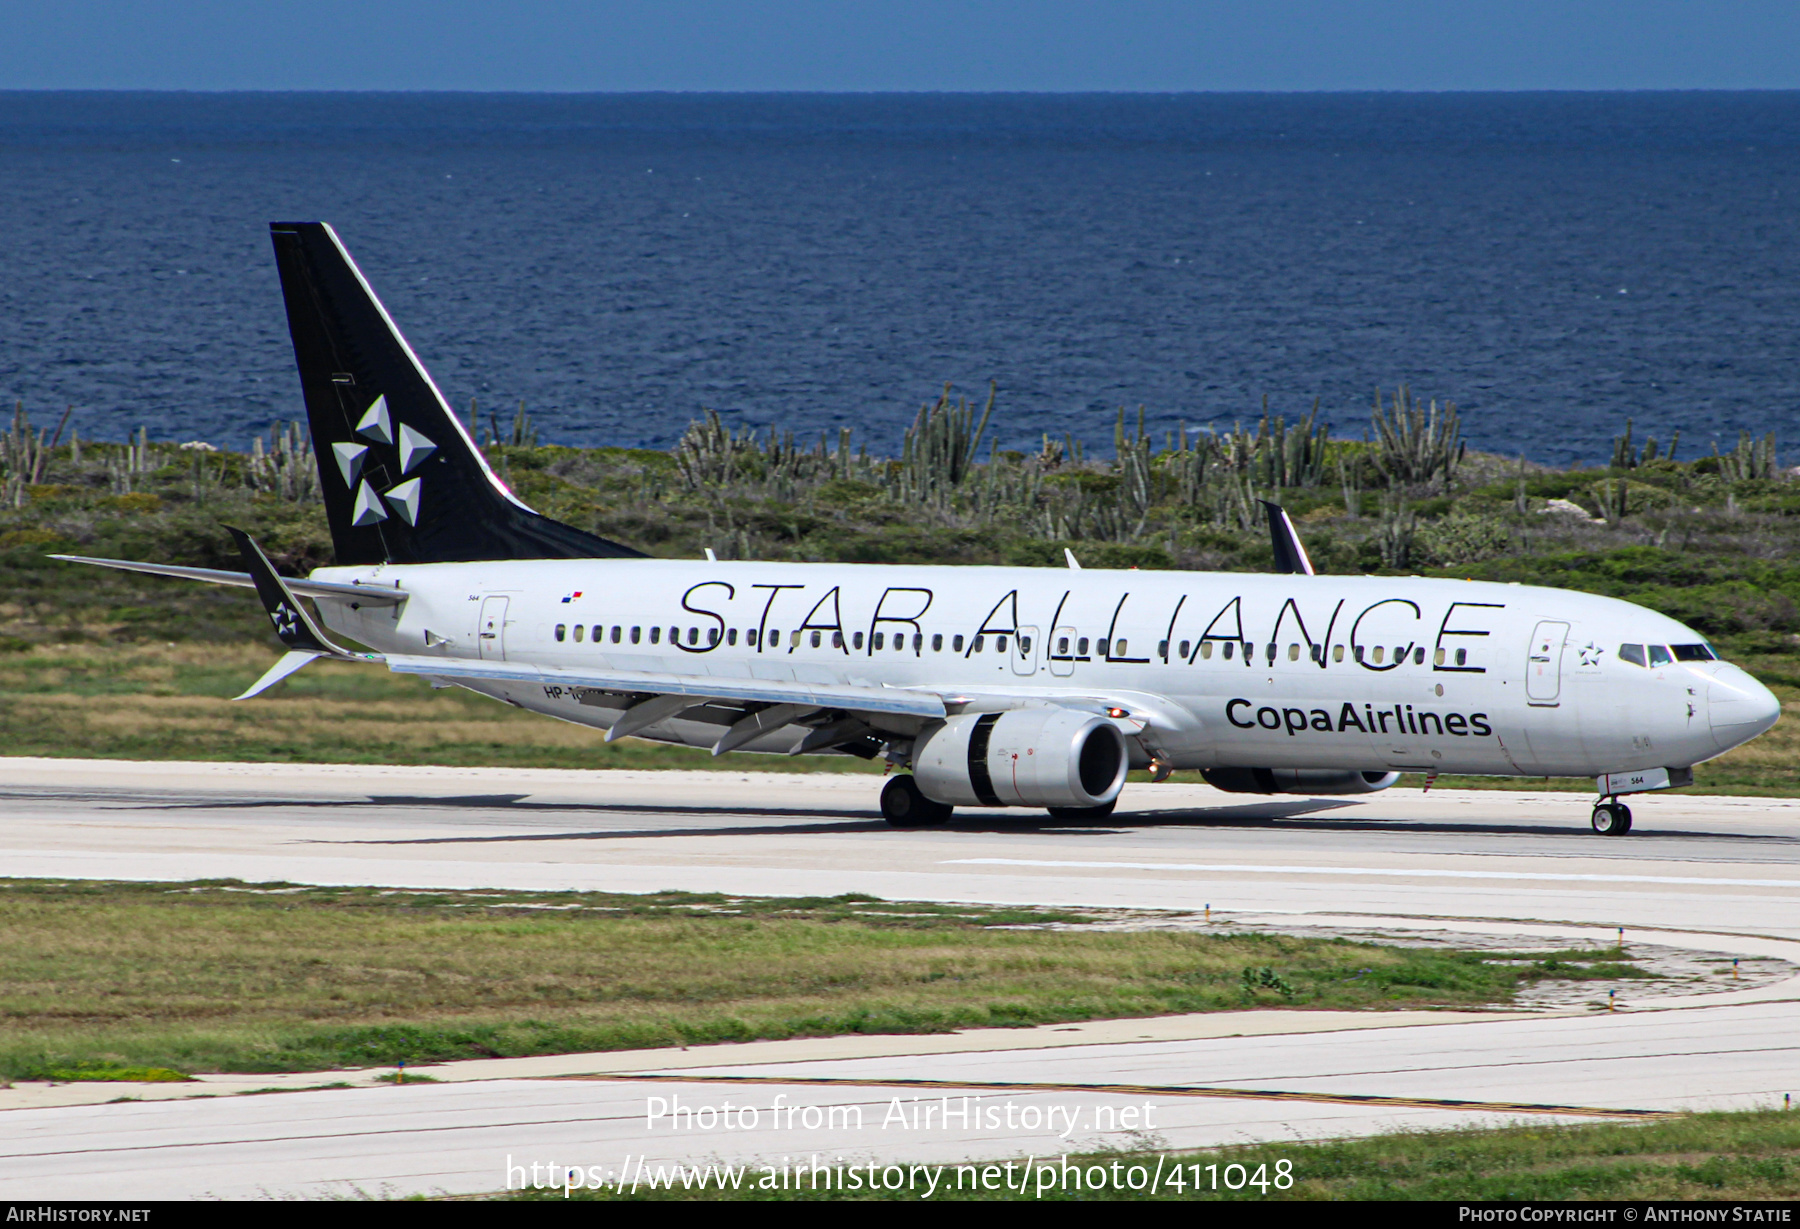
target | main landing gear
x=903, y=806
x=1612, y=818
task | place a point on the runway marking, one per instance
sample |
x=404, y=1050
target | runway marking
x=1138, y=1090
x=1237, y=868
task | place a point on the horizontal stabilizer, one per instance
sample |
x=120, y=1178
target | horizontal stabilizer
x=371, y=595
x=703, y=686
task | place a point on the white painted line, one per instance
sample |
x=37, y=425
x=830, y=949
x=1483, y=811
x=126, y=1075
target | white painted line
x=1235, y=868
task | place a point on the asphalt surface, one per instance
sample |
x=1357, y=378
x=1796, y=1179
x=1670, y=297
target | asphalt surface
x=1710, y=875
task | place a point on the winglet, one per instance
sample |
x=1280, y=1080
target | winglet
x=1290, y=556
x=1074, y=564
x=293, y=625
x=289, y=663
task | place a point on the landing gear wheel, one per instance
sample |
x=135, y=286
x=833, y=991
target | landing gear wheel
x=903, y=806
x=1612, y=819
x=1099, y=812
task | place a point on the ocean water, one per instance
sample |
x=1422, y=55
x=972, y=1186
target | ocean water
x=1553, y=263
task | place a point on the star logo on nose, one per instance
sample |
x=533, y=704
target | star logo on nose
x=1591, y=654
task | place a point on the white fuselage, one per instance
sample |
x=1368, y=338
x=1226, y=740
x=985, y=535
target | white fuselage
x=1365, y=673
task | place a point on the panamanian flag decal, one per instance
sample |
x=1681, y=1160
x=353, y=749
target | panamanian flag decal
x=571, y=597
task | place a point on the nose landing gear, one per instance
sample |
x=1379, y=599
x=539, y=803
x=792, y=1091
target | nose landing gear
x=1612, y=818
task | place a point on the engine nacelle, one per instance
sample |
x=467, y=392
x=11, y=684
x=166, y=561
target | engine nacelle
x=1028, y=757
x=1297, y=780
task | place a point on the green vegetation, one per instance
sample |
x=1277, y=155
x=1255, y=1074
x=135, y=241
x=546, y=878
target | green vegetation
x=224, y=976
x=1695, y=1157
x=1709, y=540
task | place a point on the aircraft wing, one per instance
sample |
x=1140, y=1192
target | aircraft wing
x=373, y=595
x=701, y=687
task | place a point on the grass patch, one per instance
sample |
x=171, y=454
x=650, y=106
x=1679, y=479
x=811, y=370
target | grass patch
x=1721, y=1156
x=172, y=702
x=225, y=976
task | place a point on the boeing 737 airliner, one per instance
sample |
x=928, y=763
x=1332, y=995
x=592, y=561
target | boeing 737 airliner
x=995, y=686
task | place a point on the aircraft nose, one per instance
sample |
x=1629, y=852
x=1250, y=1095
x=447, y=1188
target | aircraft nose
x=1738, y=707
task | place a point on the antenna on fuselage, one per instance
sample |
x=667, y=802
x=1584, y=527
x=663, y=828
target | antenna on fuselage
x=1290, y=555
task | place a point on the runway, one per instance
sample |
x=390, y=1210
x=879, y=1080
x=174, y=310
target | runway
x=1718, y=876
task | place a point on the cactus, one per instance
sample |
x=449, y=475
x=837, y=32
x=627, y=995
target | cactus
x=1414, y=445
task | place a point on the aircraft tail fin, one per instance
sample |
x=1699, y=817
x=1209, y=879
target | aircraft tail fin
x=403, y=481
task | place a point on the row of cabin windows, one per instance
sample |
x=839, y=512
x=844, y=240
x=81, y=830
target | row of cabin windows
x=1377, y=655
x=1662, y=655
x=880, y=640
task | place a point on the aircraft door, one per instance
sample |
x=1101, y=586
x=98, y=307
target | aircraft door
x=491, y=634
x=1543, y=666
x=1061, y=652
x=1025, y=650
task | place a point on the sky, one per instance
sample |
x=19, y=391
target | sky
x=899, y=45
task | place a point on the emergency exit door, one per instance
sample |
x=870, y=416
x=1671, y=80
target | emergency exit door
x=1543, y=665
x=1025, y=650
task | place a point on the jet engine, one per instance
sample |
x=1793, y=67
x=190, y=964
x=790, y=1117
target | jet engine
x=1297, y=780
x=1029, y=757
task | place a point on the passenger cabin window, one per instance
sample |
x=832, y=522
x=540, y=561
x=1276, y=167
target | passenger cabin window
x=1184, y=649
x=1062, y=645
x=999, y=644
x=1633, y=653
x=1462, y=657
x=1119, y=649
x=1081, y=647
x=1419, y=656
x=978, y=642
x=560, y=630
x=1229, y=644
x=750, y=637
x=1024, y=646
x=1659, y=656
x=1293, y=652
x=615, y=634
x=656, y=635
x=837, y=640
x=880, y=640
x=578, y=630
x=1380, y=652
x=794, y=639
x=712, y=635
x=675, y=636
x=731, y=635
x=1437, y=658
x=937, y=642
x=1694, y=652
x=636, y=632
x=918, y=641
x=956, y=643
x=1337, y=652
x=856, y=641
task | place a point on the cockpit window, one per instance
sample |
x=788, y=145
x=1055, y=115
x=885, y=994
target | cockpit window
x=1633, y=653
x=1694, y=652
x=1659, y=656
